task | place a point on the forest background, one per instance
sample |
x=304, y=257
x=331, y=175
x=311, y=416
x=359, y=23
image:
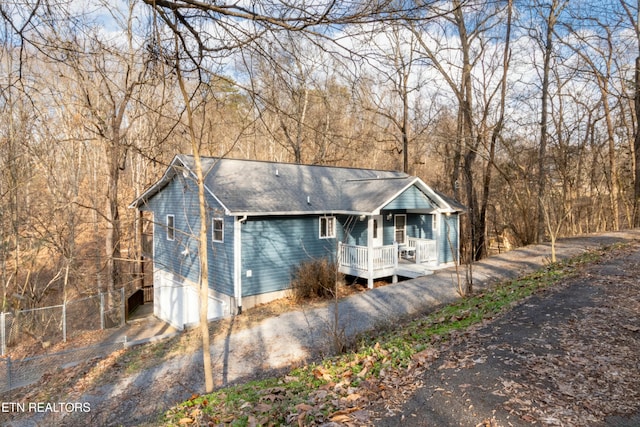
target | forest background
x=526, y=111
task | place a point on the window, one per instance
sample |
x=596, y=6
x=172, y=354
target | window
x=171, y=231
x=327, y=227
x=375, y=228
x=218, y=230
x=400, y=228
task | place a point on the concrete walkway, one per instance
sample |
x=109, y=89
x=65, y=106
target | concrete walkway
x=296, y=337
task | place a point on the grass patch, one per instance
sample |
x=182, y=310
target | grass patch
x=331, y=389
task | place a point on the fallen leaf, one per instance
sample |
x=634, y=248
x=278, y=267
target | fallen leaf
x=449, y=364
x=425, y=356
x=345, y=411
x=303, y=407
x=321, y=373
x=353, y=397
x=262, y=408
x=341, y=418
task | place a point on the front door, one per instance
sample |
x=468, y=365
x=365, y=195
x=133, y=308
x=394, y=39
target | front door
x=377, y=231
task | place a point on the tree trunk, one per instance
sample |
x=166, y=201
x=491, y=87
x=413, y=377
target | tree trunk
x=636, y=149
x=486, y=187
x=542, y=149
x=203, y=247
x=112, y=240
x=468, y=139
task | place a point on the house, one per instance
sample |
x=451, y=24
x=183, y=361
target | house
x=267, y=217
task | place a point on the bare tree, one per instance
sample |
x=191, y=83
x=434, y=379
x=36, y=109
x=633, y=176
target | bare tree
x=15, y=179
x=596, y=57
x=284, y=91
x=108, y=78
x=632, y=15
x=474, y=102
x=555, y=8
x=393, y=93
x=203, y=247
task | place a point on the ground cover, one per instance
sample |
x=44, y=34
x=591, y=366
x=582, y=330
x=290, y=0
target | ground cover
x=384, y=370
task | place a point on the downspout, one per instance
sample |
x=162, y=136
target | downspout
x=237, y=261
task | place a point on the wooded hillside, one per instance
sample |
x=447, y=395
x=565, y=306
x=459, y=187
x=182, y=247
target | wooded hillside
x=524, y=111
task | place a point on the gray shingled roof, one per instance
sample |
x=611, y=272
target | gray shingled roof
x=248, y=187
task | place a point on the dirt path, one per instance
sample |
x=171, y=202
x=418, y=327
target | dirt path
x=566, y=357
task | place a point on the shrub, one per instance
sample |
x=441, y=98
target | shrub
x=314, y=278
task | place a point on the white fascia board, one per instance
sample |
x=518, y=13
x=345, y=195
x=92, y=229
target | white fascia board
x=392, y=198
x=158, y=185
x=443, y=206
x=298, y=213
x=226, y=209
x=424, y=211
x=167, y=177
x=207, y=189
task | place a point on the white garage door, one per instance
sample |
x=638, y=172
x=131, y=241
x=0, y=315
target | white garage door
x=176, y=301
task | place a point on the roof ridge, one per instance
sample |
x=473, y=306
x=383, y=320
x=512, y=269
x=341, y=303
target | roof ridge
x=295, y=164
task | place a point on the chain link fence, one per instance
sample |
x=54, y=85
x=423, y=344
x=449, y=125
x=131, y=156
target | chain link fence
x=48, y=325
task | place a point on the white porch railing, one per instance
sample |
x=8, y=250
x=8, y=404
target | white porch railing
x=353, y=256
x=357, y=257
x=425, y=250
x=385, y=257
x=356, y=260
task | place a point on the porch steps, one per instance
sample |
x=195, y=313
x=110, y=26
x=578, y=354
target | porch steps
x=413, y=271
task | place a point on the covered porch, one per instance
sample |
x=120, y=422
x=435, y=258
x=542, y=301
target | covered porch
x=414, y=258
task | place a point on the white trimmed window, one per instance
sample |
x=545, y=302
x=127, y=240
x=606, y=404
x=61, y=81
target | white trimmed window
x=401, y=228
x=171, y=231
x=327, y=227
x=217, y=230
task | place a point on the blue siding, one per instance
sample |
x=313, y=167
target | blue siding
x=420, y=226
x=352, y=230
x=388, y=231
x=411, y=198
x=449, y=224
x=271, y=246
x=357, y=232
x=180, y=256
x=221, y=255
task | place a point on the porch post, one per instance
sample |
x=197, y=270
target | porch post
x=437, y=217
x=370, y=252
x=139, y=265
x=394, y=278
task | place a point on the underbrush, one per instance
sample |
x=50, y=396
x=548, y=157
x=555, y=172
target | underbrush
x=317, y=278
x=336, y=387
